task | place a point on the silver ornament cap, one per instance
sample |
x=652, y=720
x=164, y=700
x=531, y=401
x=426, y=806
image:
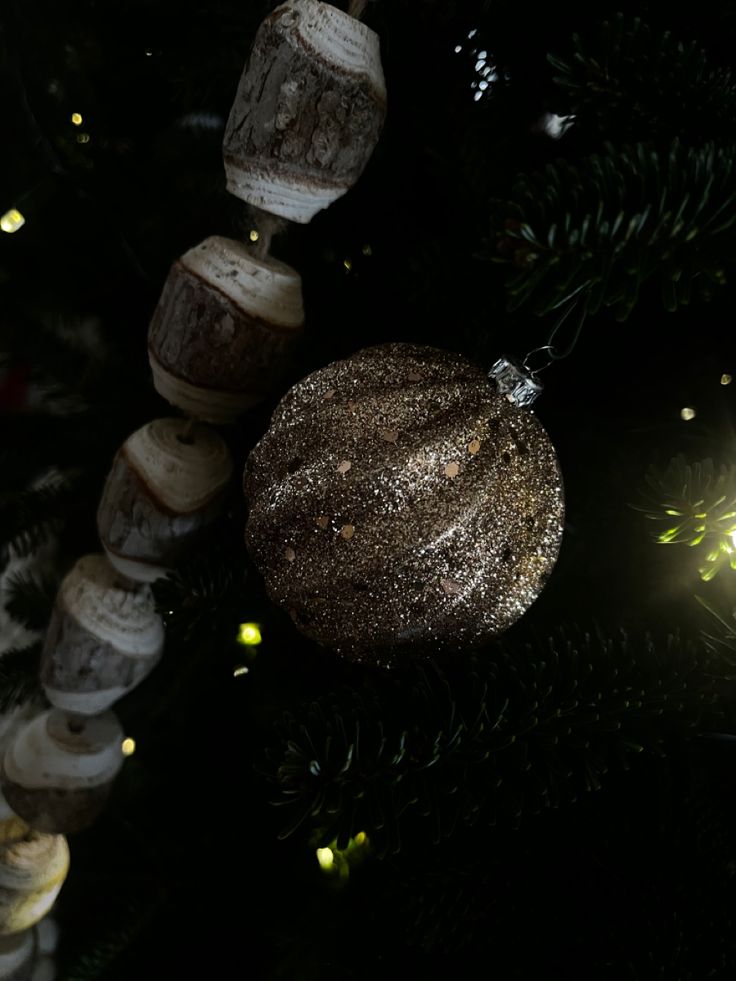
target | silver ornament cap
x=515, y=381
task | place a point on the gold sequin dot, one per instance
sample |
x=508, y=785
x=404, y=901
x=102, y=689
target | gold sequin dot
x=344, y=466
x=390, y=435
x=322, y=521
x=474, y=446
x=347, y=532
x=329, y=394
x=414, y=376
x=289, y=554
x=452, y=470
x=450, y=586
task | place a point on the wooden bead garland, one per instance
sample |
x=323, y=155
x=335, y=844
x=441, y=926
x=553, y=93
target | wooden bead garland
x=32, y=871
x=223, y=328
x=104, y=638
x=308, y=111
x=58, y=771
x=166, y=485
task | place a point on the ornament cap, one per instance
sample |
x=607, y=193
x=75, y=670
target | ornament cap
x=514, y=380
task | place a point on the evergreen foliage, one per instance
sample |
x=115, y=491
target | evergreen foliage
x=643, y=83
x=589, y=236
x=529, y=729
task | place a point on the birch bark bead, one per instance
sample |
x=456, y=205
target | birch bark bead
x=104, y=638
x=308, y=110
x=58, y=771
x=223, y=329
x=167, y=484
x=18, y=956
x=47, y=940
x=32, y=872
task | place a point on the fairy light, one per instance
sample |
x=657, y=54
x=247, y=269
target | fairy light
x=11, y=221
x=82, y=137
x=240, y=670
x=254, y=235
x=726, y=379
x=347, y=264
x=77, y=118
x=687, y=413
x=128, y=746
x=249, y=634
x=338, y=861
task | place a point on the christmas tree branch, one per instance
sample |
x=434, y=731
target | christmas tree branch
x=526, y=730
x=590, y=236
x=644, y=84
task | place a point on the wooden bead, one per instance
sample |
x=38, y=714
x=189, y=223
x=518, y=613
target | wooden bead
x=223, y=328
x=167, y=484
x=32, y=871
x=18, y=956
x=308, y=110
x=59, y=769
x=47, y=940
x=104, y=638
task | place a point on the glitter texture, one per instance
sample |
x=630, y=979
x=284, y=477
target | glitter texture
x=439, y=538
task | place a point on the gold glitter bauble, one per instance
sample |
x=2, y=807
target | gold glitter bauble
x=399, y=503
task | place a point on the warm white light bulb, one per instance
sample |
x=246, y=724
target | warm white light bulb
x=11, y=221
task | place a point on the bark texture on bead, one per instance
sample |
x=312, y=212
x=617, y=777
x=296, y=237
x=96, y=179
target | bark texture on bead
x=223, y=329
x=32, y=871
x=166, y=486
x=104, y=638
x=59, y=770
x=308, y=111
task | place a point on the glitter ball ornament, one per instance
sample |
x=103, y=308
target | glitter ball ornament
x=400, y=502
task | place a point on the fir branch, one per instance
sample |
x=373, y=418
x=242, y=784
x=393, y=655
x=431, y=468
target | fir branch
x=644, y=84
x=697, y=501
x=19, y=676
x=527, y=730
x=115, y=931
x=29, y=518
x=30, y=599
x=202, y=600
x=587, y=237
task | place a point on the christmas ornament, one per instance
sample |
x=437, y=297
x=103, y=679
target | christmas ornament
x=399, y=501
x=32, y=871
x=166, y=485
x=58, y=771
x=308, y=111
x=223, y=328
x=104, y=638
